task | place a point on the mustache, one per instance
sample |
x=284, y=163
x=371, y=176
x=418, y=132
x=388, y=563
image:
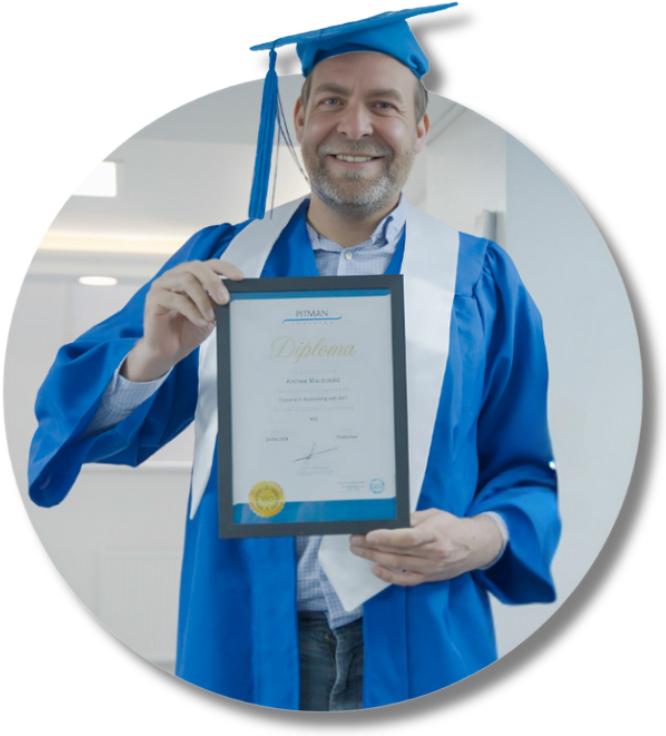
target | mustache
x=359, y=148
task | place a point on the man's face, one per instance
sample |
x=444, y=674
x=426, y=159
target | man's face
x=359, y=133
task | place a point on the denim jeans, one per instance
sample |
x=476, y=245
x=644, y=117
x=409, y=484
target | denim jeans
x=331, y=663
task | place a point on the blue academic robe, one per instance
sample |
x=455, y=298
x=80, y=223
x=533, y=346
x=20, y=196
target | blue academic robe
x=490, y=452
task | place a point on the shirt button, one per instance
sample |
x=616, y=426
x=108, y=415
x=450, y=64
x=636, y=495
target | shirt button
x=348, y=255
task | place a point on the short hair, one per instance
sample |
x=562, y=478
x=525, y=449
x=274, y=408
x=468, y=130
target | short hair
x=420, y=96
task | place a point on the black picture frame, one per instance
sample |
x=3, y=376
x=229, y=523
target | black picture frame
x=228, y=528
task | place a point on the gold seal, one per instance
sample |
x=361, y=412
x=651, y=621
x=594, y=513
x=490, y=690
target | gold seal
x=266, y=498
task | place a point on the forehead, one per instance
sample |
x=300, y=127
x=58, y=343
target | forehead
x=364, y=71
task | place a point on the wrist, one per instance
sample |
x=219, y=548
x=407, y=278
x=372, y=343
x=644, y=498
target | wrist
x=487, y=540
x=143, y=364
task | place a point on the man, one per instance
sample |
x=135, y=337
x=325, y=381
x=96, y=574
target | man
x=281, y=622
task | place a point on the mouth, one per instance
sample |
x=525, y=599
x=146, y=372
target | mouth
x=348, y=158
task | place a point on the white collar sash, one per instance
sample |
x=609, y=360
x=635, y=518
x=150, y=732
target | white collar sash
x=429, y=266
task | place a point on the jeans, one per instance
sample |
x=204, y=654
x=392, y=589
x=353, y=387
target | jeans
x=331, y=663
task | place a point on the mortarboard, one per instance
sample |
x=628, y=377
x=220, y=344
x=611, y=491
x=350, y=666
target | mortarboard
x=386, y=33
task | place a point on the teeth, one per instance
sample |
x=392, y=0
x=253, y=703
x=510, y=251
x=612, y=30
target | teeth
x=354, y=159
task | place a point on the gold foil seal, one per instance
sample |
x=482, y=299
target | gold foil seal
x=266, y=498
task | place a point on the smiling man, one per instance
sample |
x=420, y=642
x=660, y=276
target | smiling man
x=359, y=129
x=336, y=623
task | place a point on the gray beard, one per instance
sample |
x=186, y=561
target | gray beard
x=361, y=201
x=358, y=203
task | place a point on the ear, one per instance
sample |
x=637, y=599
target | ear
x=299, y=118
x=421, y=133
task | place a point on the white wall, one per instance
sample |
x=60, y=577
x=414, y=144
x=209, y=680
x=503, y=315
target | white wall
x=595, y=372
x=467, y=173
x=174, y=188
x=595, y=392
x=117, y=538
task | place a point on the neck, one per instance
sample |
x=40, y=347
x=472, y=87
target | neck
x=346, y=232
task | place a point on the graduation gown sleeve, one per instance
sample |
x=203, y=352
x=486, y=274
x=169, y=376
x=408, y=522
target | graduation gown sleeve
x=70, y=395
x=490, y=451
x=516, y=476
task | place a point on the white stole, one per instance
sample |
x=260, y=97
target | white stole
x=429, y=268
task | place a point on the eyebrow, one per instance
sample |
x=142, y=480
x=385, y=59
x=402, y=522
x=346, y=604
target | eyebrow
x=386, y=92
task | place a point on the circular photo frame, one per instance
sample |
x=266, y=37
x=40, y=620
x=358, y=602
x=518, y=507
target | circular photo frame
x=117, y=539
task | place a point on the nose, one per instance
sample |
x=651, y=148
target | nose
x=355, y=121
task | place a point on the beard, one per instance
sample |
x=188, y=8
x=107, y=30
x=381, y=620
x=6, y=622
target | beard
x=358, y=194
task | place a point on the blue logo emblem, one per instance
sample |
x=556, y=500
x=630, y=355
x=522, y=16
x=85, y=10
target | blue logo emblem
x=377, y=485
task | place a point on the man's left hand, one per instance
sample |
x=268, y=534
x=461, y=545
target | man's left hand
x=437, y=546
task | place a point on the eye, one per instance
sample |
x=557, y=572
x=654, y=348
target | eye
x=384, y=105
x=330, y=101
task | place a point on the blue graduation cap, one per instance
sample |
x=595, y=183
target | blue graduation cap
x=386, y=33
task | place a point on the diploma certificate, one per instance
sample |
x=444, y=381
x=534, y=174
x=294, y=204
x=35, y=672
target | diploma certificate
x=312, y=406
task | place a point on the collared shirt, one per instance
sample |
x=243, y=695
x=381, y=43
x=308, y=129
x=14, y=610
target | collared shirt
x=315, y=593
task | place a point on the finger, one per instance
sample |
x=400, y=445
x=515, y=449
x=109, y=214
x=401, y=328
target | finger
x=396, y=577
x=224, y=268
x=421, y=533
x=396, y=561
x=169, y=301
x=218, y=266
x=418, y=517
x=396, y=538
x=188, y=284
x=206, y=274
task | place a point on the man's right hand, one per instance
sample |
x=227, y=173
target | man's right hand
x=179, y=315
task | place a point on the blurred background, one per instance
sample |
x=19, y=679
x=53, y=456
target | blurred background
x=117, y=538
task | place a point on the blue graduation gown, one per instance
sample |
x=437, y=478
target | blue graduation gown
x=491, y=452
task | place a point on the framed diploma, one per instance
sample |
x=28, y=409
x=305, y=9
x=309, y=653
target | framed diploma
x=312, y=406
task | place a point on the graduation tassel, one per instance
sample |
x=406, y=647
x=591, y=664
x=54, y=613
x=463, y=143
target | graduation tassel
x=283, y=134
x=262, y=162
